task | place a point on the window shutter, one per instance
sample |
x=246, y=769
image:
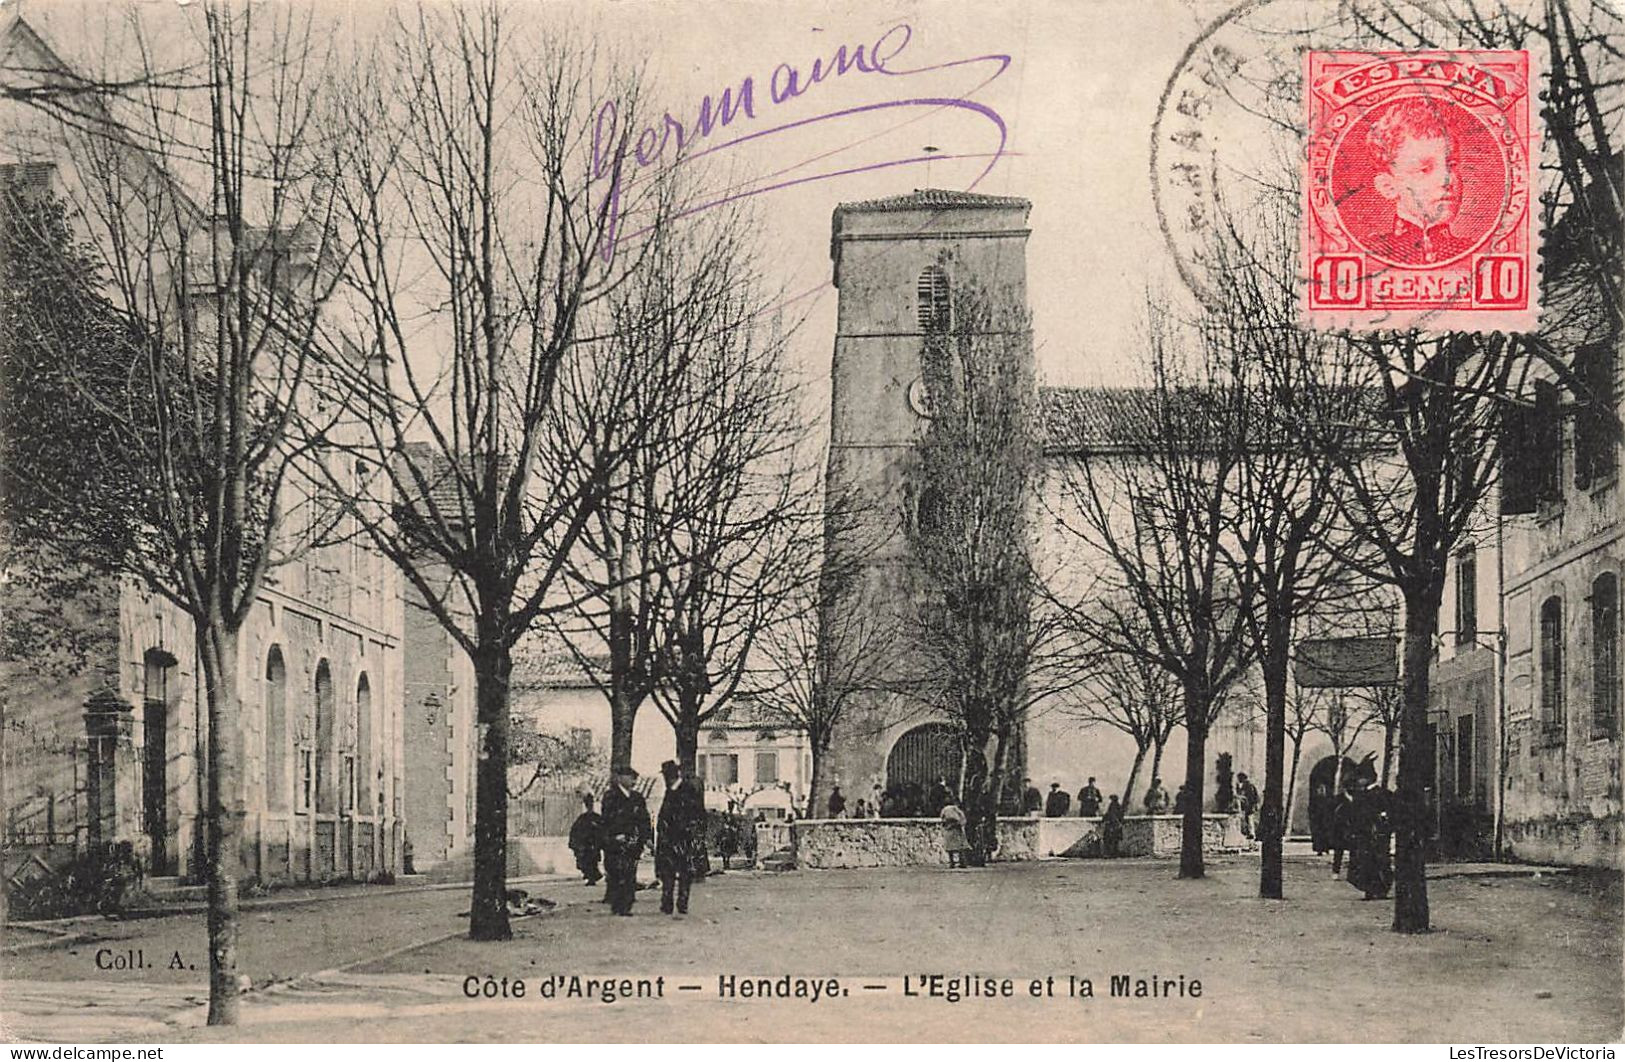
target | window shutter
x=1518, y=473
x=1547, y=452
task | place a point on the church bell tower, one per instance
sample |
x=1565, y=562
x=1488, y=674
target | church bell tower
x=894, y=262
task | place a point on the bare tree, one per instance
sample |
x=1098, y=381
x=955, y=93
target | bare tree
x=695, y=319
x=1287, y=528
x=1157, y=507
x=1134, y=695
x=1412, y=505
x=484, y=196
x=220, y=300
x=825, y=651
x=742, y=510
x=1303, y=708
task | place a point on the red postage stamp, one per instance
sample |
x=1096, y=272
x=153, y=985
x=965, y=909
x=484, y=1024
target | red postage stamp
x=1420, y=191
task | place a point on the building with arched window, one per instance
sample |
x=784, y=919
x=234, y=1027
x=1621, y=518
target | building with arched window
x=106, y=729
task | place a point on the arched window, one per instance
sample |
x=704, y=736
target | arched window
x=325, y=790
x=1551, y=669
x=1605, y=656
x=366, y=784
x=276, y=731
x=933, y=307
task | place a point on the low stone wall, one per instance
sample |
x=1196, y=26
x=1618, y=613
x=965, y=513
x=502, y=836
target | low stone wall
x=826, y=844
x=1162, y=835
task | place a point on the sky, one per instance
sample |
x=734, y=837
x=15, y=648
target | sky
x=1076, y=101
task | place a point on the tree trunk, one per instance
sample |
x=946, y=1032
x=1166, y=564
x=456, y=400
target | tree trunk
x=1272, y=818
x=975, y=809
x=1190, y=842
x=1410, y=860
x=1292, y=784
x=1134, y=773
x=818, y=742
x=687, y=731
x=493, y=668
x=217, y=653
x=1001, y=756
x=623, y=712
x=624, y=700
x=1388, y=728
x=1156, y=766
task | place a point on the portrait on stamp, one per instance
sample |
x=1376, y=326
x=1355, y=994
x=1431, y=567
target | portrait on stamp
x=1418, y=188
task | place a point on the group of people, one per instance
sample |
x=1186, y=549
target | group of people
x=902, y=800
x=622, y=831
x=1058, y=804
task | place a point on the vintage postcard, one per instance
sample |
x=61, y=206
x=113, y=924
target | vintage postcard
x=732, y=522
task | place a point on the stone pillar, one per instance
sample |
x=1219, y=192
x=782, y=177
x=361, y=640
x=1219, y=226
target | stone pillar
x=109, y=763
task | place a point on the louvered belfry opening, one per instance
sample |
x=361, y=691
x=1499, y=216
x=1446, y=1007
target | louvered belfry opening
x=932, y=305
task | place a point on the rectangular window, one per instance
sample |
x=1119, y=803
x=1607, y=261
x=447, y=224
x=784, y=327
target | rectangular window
x=1467, y=598
x=307, y=781
x=724, y=769
x=699, y=769
x=767, y=768
x=1605, y=656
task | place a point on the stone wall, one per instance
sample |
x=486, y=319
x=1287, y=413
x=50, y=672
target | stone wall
x=826, y=844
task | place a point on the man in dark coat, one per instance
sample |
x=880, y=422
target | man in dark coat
x=585, y=834
x=1089, y=800
x=1111, y=828
x=1032, y=801
x=626, y=832
x=1059, y=802
x=681, y=828
x=837, y=804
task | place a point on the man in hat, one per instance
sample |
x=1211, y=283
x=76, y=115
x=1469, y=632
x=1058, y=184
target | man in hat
x=1059, y=802
x=1089, y=799
x=682, y=829
x=626, y=831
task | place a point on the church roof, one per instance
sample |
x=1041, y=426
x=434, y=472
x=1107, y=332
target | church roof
x=1090, y=418
x=935, y=199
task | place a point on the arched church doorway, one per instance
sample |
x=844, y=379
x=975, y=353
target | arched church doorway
x=924, y=754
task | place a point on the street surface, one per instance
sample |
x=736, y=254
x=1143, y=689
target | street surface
x=1517, y=958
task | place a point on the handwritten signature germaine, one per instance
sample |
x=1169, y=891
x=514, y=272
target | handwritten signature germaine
x=618, y=156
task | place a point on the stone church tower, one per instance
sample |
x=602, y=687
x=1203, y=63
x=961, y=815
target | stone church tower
x=894, y=261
